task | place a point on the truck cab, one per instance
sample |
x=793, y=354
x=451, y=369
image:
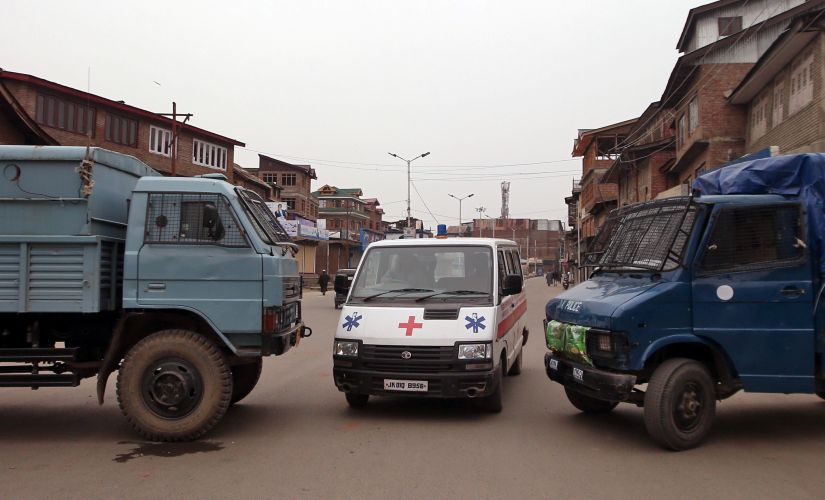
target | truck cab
x=698, y=298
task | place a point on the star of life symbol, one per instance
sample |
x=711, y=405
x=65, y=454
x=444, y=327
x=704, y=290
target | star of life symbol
x=475, y=322
x=352, y=321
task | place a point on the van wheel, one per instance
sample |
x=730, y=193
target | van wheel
x=586, y=404
x=357, y=400
x=174, y=385
x=492, y=403
x=680, y=404
x=516, y=368
x=244, y=378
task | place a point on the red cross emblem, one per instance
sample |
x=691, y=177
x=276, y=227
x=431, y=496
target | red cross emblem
x=410, y=325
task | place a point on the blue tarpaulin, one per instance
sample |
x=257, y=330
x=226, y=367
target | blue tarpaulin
x=800, y=176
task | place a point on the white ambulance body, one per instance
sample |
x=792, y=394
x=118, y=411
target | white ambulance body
x=432, y=317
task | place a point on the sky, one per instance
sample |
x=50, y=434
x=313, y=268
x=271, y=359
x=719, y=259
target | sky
x=494, y=90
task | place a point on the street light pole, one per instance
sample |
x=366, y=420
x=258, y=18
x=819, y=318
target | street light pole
x=495, y=221
x=459, y=208
x=409, y=217
x=480, y=211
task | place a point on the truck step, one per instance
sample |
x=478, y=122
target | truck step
x=37, y=354
x=38, y=380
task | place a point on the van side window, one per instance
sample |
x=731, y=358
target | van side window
x=502, y=270
x=515, y=262
x=746, y=238
x=191, y=219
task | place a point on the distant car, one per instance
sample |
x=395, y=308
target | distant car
x=343, y=280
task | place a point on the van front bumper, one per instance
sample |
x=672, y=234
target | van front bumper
x=440, y=385
x=590, y=381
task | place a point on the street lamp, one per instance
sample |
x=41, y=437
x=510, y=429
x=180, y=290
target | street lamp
x=409, y=217
x=459, y=207
x=495, y=220
x=480, y=211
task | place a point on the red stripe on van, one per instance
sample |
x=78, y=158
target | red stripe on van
x=508, y=321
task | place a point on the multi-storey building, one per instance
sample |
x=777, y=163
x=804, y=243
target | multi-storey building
x=539, y=240
x=37, y=111
x=345, y=213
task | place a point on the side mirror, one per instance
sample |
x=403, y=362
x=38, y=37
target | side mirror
x=341, y=283
x=513, y=283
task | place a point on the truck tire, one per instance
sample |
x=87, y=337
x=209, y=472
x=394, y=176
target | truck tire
x=516, y=368
x=586, y=404
x=493, y=403
x=357, y=400
x=680, y=404
x=174, y=385
x=244, y=378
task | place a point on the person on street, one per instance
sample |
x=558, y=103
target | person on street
x=549, y=278
x=323, y=281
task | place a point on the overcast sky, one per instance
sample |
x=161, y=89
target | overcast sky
x=339, y=84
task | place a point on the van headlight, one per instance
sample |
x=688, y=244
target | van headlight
x=475, y=351
x=346, y=348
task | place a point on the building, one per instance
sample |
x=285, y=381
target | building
x=539, y=240
x=396, y=230
x=598, y=150
x=346, y=215
x=374, y=228
x=250, y=181
x=293, y=185
x=570, y=255
x=782, y=94
x=639, y=169
x=37, y=111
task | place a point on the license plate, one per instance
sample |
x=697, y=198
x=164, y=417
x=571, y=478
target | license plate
x=578, y=374
x=554, y=364
x=405, y=385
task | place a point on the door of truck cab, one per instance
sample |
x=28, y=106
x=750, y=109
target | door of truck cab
x=752, y=294
x=511, y=308
x=196, y=256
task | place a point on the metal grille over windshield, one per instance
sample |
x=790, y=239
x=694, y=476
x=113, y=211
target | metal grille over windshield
x=650, y=235
x=262, y=217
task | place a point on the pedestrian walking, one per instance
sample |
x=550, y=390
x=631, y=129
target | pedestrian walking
x=323, y=281
x=549, y=278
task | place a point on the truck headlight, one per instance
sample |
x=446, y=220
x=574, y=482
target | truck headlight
x=475, y=351
x=603, y=342
x=347, y=348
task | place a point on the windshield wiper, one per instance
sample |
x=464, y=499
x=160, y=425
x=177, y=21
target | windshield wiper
x=400, y=290
x=454, y=292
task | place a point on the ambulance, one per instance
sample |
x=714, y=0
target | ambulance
x=442, y=318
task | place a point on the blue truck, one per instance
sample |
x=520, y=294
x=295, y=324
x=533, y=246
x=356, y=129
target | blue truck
x=182, y=285
x=696, y=298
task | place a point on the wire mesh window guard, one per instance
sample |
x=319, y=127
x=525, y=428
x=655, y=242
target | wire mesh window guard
x=746, y=238
x=650, y=235
x=266, y=225
x=192, y=219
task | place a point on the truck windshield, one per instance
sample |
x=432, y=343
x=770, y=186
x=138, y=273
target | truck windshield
x=266, y=225
x=646, y=236
x=420, y=272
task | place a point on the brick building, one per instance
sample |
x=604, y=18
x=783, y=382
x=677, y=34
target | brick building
x=539, y=240
x=783, y=93
x=346, y=215
x=37, y=111
x=597, y=148
x=250, y=181
x=374, y=228
x=570, y=256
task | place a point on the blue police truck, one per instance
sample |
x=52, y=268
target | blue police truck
x=695, y=298
x=180, y=284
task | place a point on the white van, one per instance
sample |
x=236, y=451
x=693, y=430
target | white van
x=432, y=317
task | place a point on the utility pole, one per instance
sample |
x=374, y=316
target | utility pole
x=480, y=211
x=174, y=114
x=459, y=208
x=409, y=181
x=495, y=221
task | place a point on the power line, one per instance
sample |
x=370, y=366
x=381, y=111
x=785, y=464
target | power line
x=424, y=202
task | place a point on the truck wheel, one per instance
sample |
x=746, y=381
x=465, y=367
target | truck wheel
x=679, y=404
x=586, y=404
x=516, y=368
x=174, y=385
x=357, y=400
x=244, y=378
x=492, y=403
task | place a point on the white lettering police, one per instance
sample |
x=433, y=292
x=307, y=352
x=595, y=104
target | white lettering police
x=572, y=306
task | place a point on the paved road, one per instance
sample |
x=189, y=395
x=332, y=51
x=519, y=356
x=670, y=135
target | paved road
x=295, y=437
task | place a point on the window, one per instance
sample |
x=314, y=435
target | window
x=759, y=117
x=693, y=114
x=192, y=219
x=121, y=130
x=680, y=131
x=802, y=85
x=65, y=115
x=729, y=25
x=288, y=179
x=290, y=203
x=749, y=238
x=778, y=103
x=209, y=155
x=515, y=262
x=160, y=141
x=502, y=271
x=270, y=178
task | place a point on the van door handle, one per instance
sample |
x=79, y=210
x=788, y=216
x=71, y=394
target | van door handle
x=792, y=290
x=155, y=287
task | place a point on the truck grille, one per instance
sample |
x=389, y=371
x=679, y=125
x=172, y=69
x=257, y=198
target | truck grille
x=423, y=359
x=449, y=314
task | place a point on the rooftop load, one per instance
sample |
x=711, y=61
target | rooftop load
x=801, y=176
x=50, y=190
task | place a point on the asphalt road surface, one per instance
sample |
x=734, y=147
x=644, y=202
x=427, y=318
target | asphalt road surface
x=295, y=437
